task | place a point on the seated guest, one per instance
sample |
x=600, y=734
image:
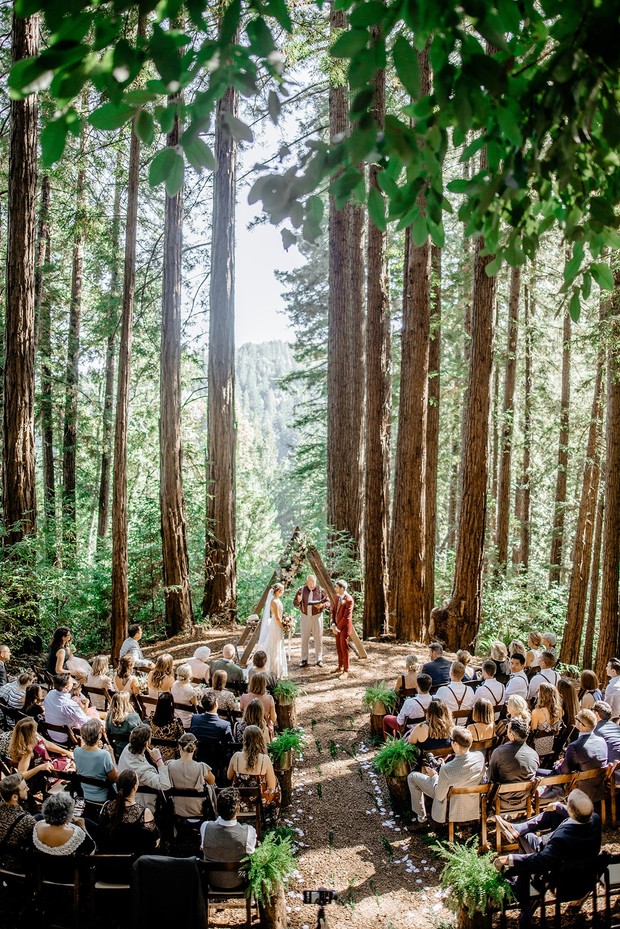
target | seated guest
x=438, y=668
x=253, y=715
x=482, y=726
x=259, y=663
x=125, y=681
x=226, y=699
x=516, y=708
x=408, y=680
x=608, y=731
x=513, y=762
x=100, y=679
x=499, y=654
x=465, y=658
x=93, y=760
x=199, y=664
x=29, y=752
x=517, y=647
x=252, y=767
x=126, y=827
x=188, y=774
x=58, y=835
x=131, y=647
x=465, y=769
x=535, y=647
x=59, y=652
x=612, y=691
x=184, y=693
x=161, y=678
x=589, y=691
x=165, y=725
x=570, y=702
x=227, y=840
x=490, y=689
x=213, y=732
x=257, y=690
x=5, y=657
x=587, y=753
x=436, y=730
x=16, y=824
x=33, y=702
x=546, y=675
x=120, y=721
x=457, y=695
x=134, y=758
x=14, y=693
x=550, y=641
x=547, y=714
x=226, y=663
x=574, y=840
x=413, y=709
x=60, y=709
x=518, y=684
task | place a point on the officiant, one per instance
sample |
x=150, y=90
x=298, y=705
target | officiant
x=312, y=601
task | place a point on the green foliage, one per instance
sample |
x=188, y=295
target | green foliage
x=394, y=753
x=285, y=691
x=379, y=693
x=472, y=879
x=289, y=740
x=513, y=607
x=269, y=867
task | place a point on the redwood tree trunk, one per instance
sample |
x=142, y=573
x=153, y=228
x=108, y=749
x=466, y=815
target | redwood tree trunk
x=505, y=458
x=220, y=593
x=432, y=426
x=45, y=347
x=588, y=643
x=557, y=538
x=175, y=559
x=19, y=480
x=378, y=413
x=120, y=586
x=408, y=596
x=345, y=353
x=584, y=532
x=521, y=552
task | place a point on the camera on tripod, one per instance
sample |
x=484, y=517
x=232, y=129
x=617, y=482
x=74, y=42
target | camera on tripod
x=320, y=897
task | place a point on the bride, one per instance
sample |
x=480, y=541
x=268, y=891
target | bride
x=271, y=639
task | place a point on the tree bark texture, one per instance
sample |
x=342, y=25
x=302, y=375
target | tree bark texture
x=46, y=407
x=111, y=323
x=432, y=426
x=378, y=413
x=175, y=559
x=220, y=593
x=584, y=531
x=588, y=642
x=557, y=537
x=494, y=441
x=120, y=584
x=507, y=423
x=408, y=597
x=69, y=444
x=19, y=479
x=521, y=551
x=346, y=345
x=273, y=911
x=608, y=633
x=457, y=622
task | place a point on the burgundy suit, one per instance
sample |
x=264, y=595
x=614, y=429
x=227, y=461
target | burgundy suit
x=342, y=618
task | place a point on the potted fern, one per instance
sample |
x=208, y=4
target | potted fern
x=281, y=749
x=268, y=870
x=395, y=761
x=475, y=888
x=285, y=693
x=379, y=700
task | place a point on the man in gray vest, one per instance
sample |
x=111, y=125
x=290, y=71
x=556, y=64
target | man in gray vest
x=227, y=840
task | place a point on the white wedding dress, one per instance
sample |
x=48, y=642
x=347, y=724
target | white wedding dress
x=271, y=641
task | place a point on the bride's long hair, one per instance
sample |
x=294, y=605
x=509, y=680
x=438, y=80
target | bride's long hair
x=277, y=586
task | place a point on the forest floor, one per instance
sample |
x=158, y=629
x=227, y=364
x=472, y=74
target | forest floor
x=348, y=837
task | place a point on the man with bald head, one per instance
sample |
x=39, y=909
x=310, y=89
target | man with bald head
x=312, y=601
x=227, y=663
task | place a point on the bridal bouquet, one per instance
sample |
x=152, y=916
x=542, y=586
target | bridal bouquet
x=288, y=623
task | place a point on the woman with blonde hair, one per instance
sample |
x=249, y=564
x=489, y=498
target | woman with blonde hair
x=120, y=721
x=188, y=774
x=253, y=715
x=465, y=658
x=516, y=708
x=99, y=678
x=482, y=726
x=125, y=680
x=29, y=752
x=409, y=680
x=161, y=678
x=226, y=699
x=499, y=654
x=547, y=714
x=535, y=649
x=436, y=730
x=184, y=693
x=252, y=767
x=257, y=690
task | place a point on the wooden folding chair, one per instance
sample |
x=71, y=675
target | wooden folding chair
x=252, y=796
x=211, y=893
x=593, y=784
x=610, y=785
x=521, y=794
x=485, y=746
x=551, y=780
x=482, y=792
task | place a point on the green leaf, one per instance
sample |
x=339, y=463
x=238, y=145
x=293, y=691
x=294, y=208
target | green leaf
x=53, y=139
x=230, y=22
x=367, y=14
x=419, y=231
x=376, y=208
x=198, y=154
x=288, y=238
x=601, y=272
x=574, y=307
x=603, y=211
x=273, y=106
x=279, y=10
x=314, y=209
x=166, y=117
x=236, y=128
x=144, y=127
x=261, y=39
x=349, y=44
x=110, y=116
x=161, y=166
x=407, y=66
x=493, y=266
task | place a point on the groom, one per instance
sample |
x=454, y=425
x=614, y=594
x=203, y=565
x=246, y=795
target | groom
x=342, y=626
x=311, y=600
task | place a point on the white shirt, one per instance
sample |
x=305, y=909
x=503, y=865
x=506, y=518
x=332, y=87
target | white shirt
x=131, y=647
x=199, y=669
x=61, y=710
x=492, y=691
x=612, y=695
x=544, y=676
x=148, y=776
x=250, y=843
x=517, y=685
x=414, y=708
x=457, y=695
